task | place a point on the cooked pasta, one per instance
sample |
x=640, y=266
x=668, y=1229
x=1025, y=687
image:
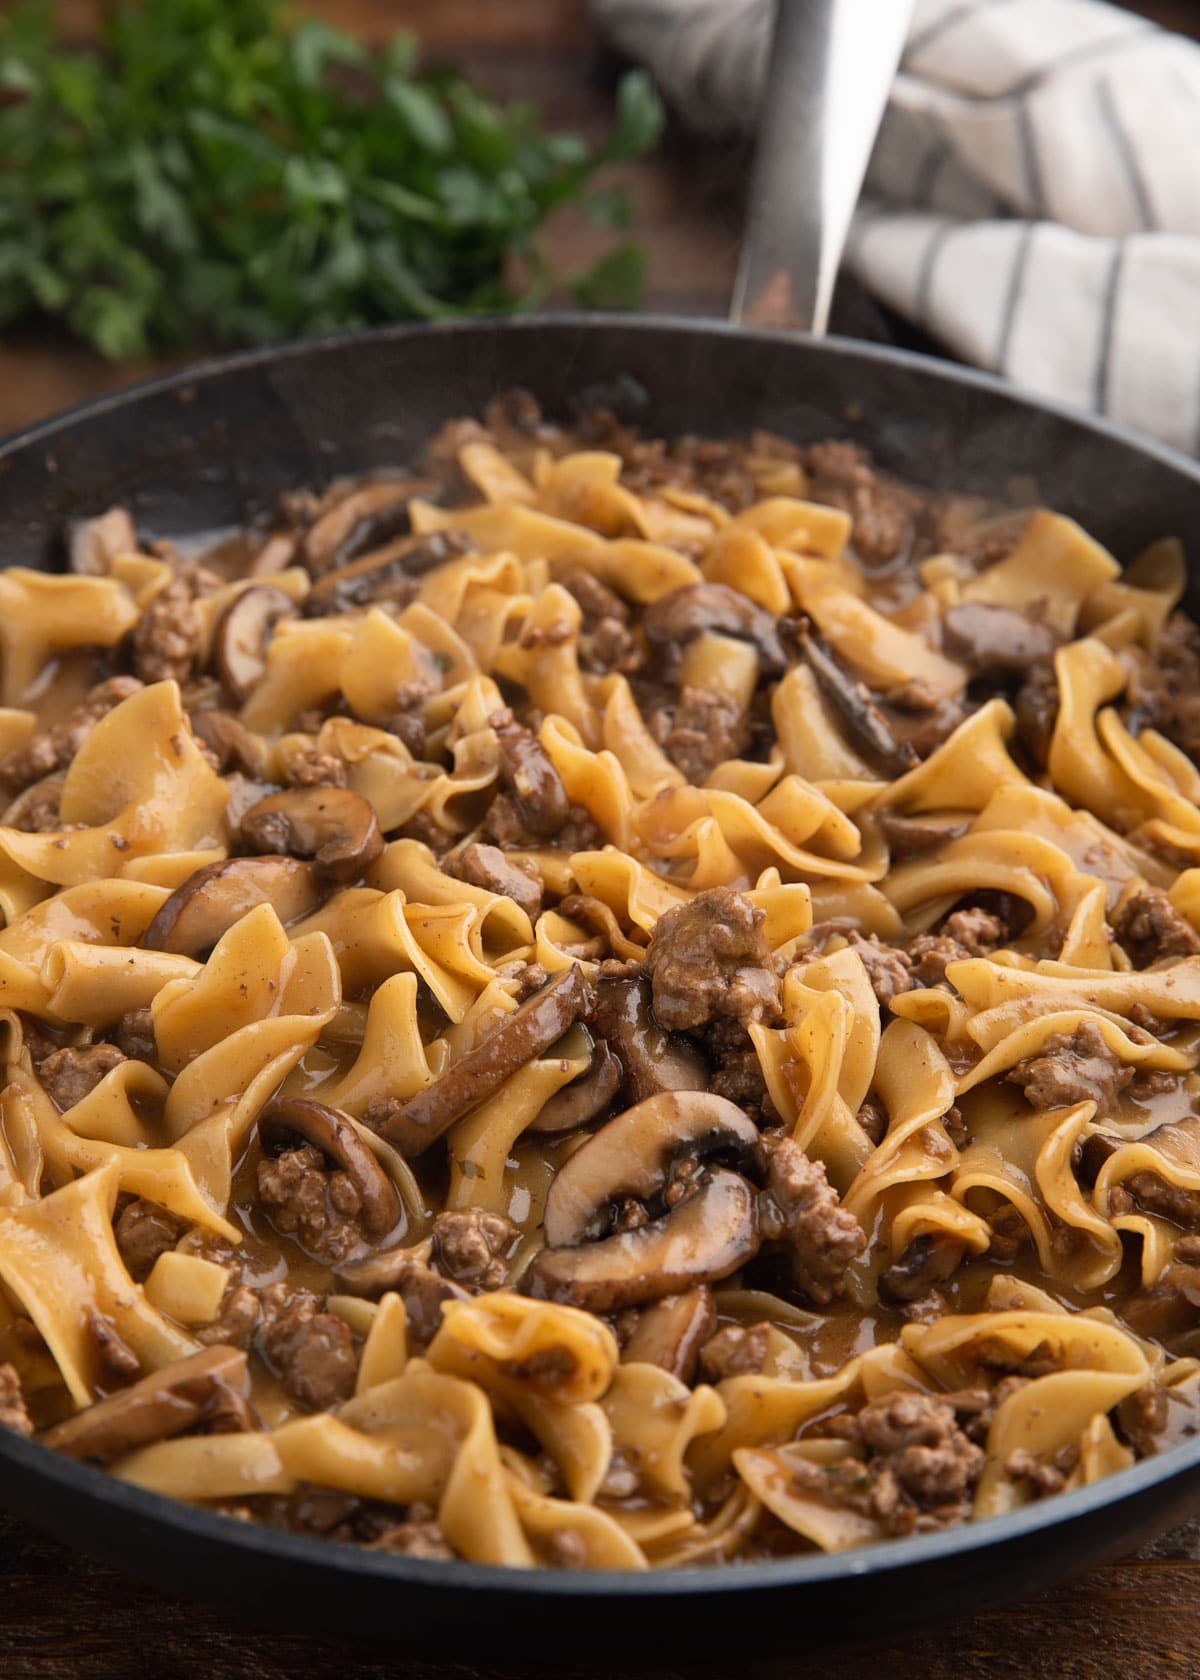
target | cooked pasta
x=606, y=1005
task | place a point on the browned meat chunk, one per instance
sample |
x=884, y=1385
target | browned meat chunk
x=710, y=958
x=71, y=1075
x=883, y=512
x=1164, y=690
x=414, y=1539
x=54, y=748
x=703, y=729
x=1077, y=1069
x=473, y=1247
x=994, y=638
x=873, y=1119
x=487, y=867
x=166, y=639
x=1150, y=928
x=800, y=1208
x=739, y=1350
x=135, y=1035
x=238, y=1319
x=312, y=768
x=1036, y=708
x=14, y=1414
x=1141, y=1418
x=920, y=1465
x=307, y=1199
x=606, y=642
x=144, y=1232
x=931, y=1458
x=967, y=933
x=533, y=786
x=423, y=1291
x=1154, y=1195
x=39, y=808
x=738, y=1072
x=888, y=968
x=312, y=1352
x=116, y=1359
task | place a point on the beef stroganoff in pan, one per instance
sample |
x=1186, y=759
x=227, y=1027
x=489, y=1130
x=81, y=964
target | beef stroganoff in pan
x=607, y=1003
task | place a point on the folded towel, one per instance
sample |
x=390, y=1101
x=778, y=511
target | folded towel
x=1033, y=200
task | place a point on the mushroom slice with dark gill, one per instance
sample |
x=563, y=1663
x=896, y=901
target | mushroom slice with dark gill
x=386, y=573
x=698, y=607
x=704, y=1236
x=285, y=1119
x=865, y=725
x=671, y=1332
x=635, y=1156
x=367, y=514
x=701, y=1240
x=213, y=898
x=521, y=1036
x=583, y=1098
x=337, y=829
x=651, y=1059
x=243, y=633
x=200, y=1390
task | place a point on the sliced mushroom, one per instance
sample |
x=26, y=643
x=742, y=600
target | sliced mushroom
x=366, y=514
x=526, y=1033
x=180, y=1397
x=337, y=829
x=927, y=1261
x=652, y=1060
x=702, y=1240
x=988, y=637
x=675, y=618
x=243, y=633
x=287, y=1118
x=227, y=737
x=93, y=544
x=634, y=1154
x=384, y=573
x=671, y=1332
x=583, y=1098
x=212, y=899
x=908, y=836
x=865, y=725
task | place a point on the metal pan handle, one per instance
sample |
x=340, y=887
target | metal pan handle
x=832, y=63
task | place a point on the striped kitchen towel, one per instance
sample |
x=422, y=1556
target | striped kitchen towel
x=1034, y=196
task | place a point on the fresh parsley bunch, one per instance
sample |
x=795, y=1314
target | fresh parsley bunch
x=209, y=174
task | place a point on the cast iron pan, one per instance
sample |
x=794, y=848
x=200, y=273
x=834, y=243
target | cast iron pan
x=208, y=448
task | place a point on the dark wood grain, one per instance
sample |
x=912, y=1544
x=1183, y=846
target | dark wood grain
x=62, y=1618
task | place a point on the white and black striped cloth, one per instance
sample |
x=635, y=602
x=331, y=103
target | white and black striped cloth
x=1034, y=197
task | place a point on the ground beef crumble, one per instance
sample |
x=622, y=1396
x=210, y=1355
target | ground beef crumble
x=143, y=1233
x=738, y=1350
x=71, y=1075
x=710, y=958
x=919, y=1466
x=53, y=748
x=1074, y=1069
x=1149, y=927
x=14, y=1413
x=702, y=729
x=472, y=1247
x=166, y=638
x=799, y=1209
x=311, y=1351
x=306, y=1198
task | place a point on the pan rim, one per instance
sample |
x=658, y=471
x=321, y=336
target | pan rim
x=101, y=1489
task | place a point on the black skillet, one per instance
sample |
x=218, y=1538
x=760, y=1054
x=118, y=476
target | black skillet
x=207, y=449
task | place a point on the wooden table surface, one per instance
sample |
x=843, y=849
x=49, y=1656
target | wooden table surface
x=62, y=1618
